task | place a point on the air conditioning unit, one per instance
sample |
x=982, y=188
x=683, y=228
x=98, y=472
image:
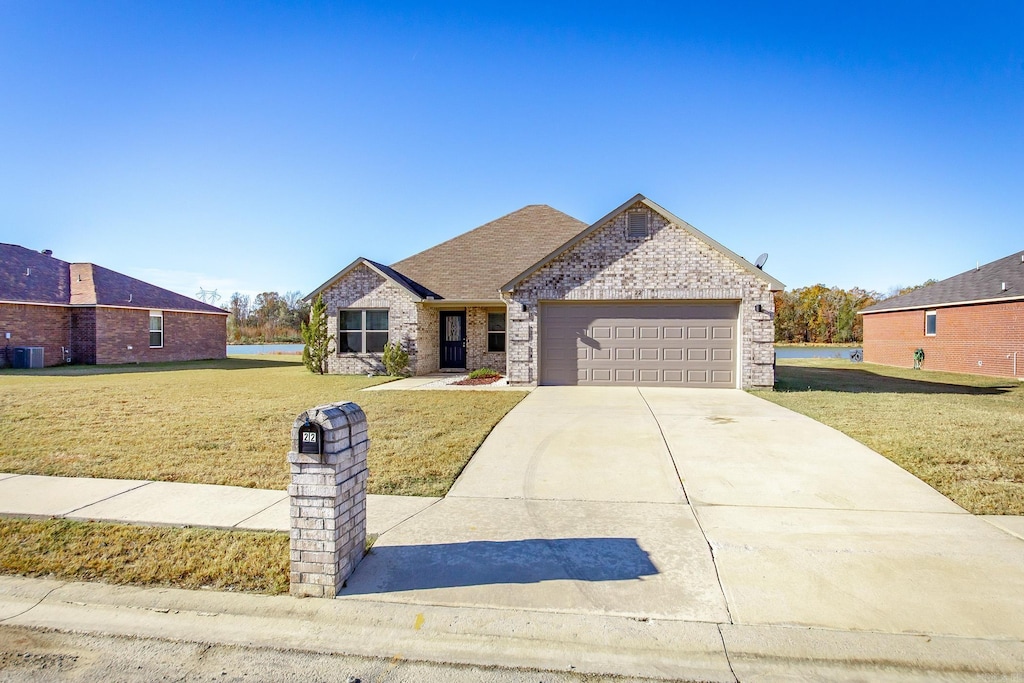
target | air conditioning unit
x=28, y=356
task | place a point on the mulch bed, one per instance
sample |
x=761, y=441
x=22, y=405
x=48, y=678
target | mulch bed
x=478, y=381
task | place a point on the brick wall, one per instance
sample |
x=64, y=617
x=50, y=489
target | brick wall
x=364, y=288
x=102, y=335
x=477, y=355
x=45, y=326
x=979, y=339
x=670, y=264
x=83, y=335
x=187, y=336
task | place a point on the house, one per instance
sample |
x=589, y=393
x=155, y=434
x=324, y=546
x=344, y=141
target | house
x=639, y=297
x=95, y=315
x=972, y=322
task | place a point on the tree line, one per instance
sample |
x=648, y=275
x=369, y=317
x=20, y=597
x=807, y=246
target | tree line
x=268, y=318
x=826, y=315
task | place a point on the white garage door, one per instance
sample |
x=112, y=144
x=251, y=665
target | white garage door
x=657, y=344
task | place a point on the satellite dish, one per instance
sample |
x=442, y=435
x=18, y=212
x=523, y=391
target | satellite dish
x=759, y=264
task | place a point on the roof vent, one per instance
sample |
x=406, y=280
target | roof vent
x=1004, y=286
x=47, y=252
x=636, y=225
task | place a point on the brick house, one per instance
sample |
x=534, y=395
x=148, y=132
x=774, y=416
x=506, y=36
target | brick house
x=99, y=316
x=639, y=297
x=972, y=322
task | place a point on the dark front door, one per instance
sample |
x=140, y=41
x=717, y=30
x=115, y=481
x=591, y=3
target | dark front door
x=453, y=339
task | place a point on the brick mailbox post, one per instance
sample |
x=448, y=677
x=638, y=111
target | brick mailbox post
x=328, y=497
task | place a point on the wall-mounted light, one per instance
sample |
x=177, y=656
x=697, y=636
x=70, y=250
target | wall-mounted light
x=524, y=308
x=758, y=308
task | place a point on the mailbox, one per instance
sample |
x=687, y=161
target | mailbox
x=311, y=439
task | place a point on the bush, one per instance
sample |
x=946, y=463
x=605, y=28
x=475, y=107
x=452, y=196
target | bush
x=396, y=359
x=484, y=372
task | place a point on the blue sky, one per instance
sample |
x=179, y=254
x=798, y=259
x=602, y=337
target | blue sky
x=262, y=146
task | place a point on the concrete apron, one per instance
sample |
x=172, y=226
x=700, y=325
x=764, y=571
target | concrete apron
x=573, y=505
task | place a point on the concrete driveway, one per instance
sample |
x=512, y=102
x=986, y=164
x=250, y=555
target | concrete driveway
x=707, y=506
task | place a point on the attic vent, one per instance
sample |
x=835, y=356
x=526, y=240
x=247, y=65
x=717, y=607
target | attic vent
x=636, y=225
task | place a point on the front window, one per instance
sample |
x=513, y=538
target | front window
x=929, y=323
x=156, y=329
x=362, y=330
x=495, y=331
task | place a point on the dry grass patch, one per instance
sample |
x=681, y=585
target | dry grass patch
x=962, y=434
x=228, y=422
x=248, y=561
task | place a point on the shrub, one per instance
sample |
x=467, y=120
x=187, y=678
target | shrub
x=484, y=372
x=395, y=359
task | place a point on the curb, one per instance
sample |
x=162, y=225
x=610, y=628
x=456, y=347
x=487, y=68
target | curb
x=586, y=644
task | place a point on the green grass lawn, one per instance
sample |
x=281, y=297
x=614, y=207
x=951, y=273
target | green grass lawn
x=962, y=434
x=228, y=422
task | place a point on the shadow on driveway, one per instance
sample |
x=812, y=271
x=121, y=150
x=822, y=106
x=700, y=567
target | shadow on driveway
x=479, y=563
x=855, y=380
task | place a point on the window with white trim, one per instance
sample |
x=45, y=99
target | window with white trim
x=930, y=320
x=156, y=329
x=362, y=330
x=496, y=331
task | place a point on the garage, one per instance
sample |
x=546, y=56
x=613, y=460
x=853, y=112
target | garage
x=638, y=344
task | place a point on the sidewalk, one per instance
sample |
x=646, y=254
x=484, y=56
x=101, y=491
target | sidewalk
x=161, y=503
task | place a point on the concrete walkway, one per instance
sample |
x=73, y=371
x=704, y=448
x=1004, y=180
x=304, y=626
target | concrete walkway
x=161, y=503
x=664, y=533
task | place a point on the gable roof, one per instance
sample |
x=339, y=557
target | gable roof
x=28, y=276
x=417, y=290
x=672, y=218
x=979, y=285
x=474, y=265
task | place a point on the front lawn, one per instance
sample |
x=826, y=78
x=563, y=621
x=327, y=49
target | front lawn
x=962, y=434
x=251, y=561
x=228, y=422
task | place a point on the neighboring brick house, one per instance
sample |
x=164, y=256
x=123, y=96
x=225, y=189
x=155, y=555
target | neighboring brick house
x=972, y=322
x=98, y=316
x=638, y=298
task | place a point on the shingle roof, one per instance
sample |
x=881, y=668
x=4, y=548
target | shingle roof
x=981, y=284
x=474, y=265
x=110, y=288
x=32, y=277
x=27, y=275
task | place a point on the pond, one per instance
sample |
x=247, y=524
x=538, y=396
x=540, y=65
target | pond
x=264, y=348
x=815, y=351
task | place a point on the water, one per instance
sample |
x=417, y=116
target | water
x=264, y=348
x=814, y=352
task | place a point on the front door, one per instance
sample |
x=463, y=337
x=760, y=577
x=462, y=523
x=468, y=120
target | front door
x=453, y=339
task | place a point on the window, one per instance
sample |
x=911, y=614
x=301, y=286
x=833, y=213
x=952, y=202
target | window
x=929, y=323
x=636, y=225
x=156, y=329
x=362, y=330
x=495, y=331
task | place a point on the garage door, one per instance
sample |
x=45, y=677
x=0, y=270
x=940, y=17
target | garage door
x=691, y=345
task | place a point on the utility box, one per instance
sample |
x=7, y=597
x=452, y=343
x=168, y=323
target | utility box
x=28, y=357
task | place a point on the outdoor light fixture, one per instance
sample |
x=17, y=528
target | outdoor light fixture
x=758, y=308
